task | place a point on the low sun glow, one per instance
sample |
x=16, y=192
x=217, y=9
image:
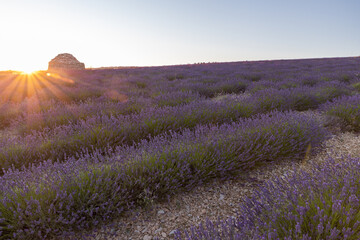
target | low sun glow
x=28, y=72
x=28, y=69
x=35, y=86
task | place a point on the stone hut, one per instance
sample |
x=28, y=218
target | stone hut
x=65, y=61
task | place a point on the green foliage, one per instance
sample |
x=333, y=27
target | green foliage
x=348, y=116
x=253, y=78
x=345, y=78
x=356, y=86
x=344, y=112
x=178, y=76
x=141, y=85
x=18, y=153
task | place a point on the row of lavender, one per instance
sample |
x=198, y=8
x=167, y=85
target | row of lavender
x=57, y=198
x=33, y=115
x=322, y=203
x=103, y=131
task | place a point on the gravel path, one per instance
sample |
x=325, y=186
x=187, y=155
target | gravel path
x=216, y=199
x=210, y=201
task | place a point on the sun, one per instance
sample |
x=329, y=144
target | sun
x=28, y=72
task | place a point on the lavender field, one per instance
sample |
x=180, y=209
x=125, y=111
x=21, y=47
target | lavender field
x=81, y=148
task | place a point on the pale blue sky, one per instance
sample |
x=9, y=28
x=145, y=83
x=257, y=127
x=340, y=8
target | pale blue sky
x=164, y=32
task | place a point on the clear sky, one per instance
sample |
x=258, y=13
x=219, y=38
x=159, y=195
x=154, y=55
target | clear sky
x=165, y=32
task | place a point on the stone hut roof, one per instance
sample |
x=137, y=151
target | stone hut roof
x=65, y=61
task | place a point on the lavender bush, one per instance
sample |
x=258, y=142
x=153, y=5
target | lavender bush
x=65, y=114
x=9, y=111
x=356, y=86
x=322, y=203
x=343, y=112
x=265, y=84
x=213, y=87
x=299, y=98
x=177, y=98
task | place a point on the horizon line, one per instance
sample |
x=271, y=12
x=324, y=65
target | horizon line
x=196, y=63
